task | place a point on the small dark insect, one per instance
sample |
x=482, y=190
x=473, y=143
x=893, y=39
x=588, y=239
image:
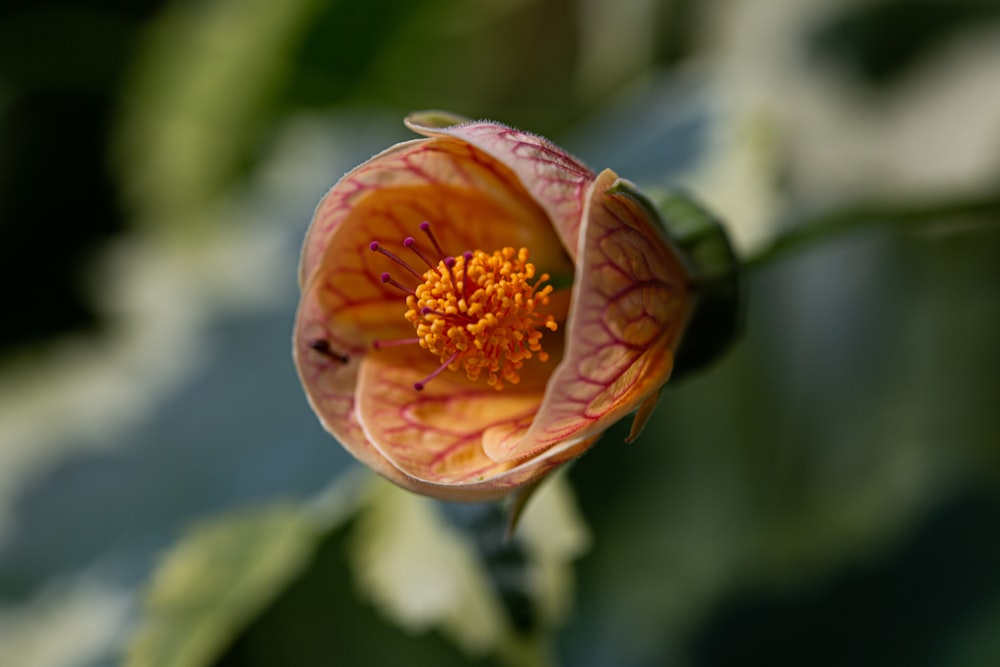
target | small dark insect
x=322, y=346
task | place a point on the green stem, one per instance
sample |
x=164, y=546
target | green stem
x=804, y=235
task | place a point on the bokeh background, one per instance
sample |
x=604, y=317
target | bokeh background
x=825, y=494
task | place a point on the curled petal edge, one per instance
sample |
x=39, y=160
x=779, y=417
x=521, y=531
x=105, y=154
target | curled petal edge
x=556, y=179
x=630, y=286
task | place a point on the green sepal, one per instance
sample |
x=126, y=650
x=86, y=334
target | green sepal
x=435, y=119
x=719, y=315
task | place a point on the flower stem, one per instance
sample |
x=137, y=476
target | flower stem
x=811, y=232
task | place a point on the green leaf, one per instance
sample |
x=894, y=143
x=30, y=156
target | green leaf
x=199, y=100
x=422, y=574
x=216, y=581
x=225, y=572
x=424, y=571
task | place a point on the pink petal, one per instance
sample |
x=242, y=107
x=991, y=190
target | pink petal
x=329, y=384
x=556, y=179
x=471, y=200
x=631, y=301
x=436, y=435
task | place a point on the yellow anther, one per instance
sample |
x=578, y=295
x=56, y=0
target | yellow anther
x=484, y=307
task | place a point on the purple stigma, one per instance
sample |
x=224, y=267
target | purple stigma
x=411, y=243
x=425, y=227
x=419, y=386
x=375, y=247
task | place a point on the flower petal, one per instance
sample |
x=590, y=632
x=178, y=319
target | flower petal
x=472, y=201
x=556, y=179
x=329, y=382
x=631, y=300
x=436, y=435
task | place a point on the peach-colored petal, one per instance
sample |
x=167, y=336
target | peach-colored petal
x=556, y=179
x=472, y=200
x=329, y=383
x=335, y=206
x=437, y=435
x=630, y=302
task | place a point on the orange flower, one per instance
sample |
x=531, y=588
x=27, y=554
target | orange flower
x=478, y=307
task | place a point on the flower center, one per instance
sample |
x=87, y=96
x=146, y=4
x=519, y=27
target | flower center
x=477, y=311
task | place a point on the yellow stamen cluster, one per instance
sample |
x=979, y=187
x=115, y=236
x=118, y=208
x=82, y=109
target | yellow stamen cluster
x=491, y=324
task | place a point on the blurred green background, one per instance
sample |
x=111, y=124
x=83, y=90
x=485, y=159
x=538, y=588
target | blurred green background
x=828, y=493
